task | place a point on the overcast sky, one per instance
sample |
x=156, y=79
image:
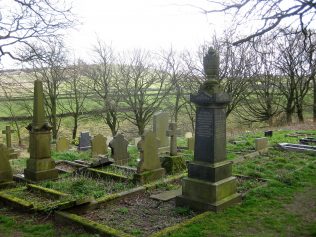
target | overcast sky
x=149, y=24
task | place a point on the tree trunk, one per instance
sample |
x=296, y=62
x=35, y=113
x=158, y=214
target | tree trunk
x=54, y=119
x=314, y=105
x=299, y=108
x=74, y=130
x=176, y=107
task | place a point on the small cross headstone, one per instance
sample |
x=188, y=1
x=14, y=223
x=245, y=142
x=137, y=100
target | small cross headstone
x=5, y=167
x=149, y=167
x=84, y=141
x=99, y=145
x=7, y=133
x=172, y=132
x=119, y=149
x=62, y=144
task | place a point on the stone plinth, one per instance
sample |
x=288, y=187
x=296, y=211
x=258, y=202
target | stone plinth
x=210, y=184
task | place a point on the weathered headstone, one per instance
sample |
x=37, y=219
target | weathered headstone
x=108, y=140
x=99, y=145
x=7, y=132
x=268, y=133
x=119, y=151
x=5, y=167
x=84, y=141
x=136, y=140
x=210, y=184
x=188, y=135
x=149, y=167
x=191, y=143
x=40, y=166
x=261, y=144
x=62, y=144
x=160, y=127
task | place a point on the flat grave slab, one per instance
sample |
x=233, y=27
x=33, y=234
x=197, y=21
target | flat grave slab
x=297, y=147
x=167, y=195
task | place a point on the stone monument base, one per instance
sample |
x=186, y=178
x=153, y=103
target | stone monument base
x=37, y=176
x=149, y=176
x=214, y=196
x=173, y=164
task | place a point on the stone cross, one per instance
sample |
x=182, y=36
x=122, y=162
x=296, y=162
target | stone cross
x=172, y=132
x=7, y=133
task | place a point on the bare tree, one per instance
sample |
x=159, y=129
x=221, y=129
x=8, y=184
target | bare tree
x=51, y=68
x=24, y=22
x=263, y=100
x=142, y=86
x=293, y=64
x=174, y=67
x=235, y=69
x=101, y=74
x=267, y=15
x=76, y=93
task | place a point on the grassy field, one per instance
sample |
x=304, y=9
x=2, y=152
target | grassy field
x=286, y=206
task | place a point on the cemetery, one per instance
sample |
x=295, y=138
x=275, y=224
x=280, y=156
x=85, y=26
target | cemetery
x=167, y=182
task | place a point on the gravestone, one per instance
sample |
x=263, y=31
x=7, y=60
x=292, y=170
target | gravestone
x=136, y=140
x=188, y=135
x=7, y=132
x=62, y=144
x=160, y=127
x=172, y=132
x=210, y=184
x=99, y=145
x=261, y=144
x=268, y=133
x=149, y=167
x=40, y=166
x=173, y=163
x=6, y=175
x=308, y=141
x=119, y=151
x=84, y=141
x=190, y=143
x=108, y=140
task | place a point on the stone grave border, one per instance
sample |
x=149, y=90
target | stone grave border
x=66, y=217
x=25, y=205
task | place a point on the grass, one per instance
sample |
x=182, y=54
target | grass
x=274, y=210
x=83, y=186
x=284, y=207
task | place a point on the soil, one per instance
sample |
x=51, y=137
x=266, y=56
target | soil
x=140, y=215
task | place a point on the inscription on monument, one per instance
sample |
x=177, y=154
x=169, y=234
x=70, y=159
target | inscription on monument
x=204, y=123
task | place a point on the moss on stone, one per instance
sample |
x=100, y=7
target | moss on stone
x=92, y=226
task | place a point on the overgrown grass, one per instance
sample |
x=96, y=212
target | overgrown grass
x=84, y=186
